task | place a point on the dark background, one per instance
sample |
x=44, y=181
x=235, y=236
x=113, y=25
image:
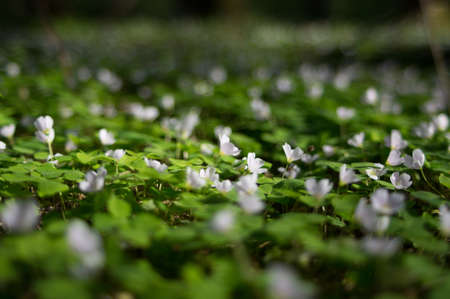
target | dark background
x=23, y=12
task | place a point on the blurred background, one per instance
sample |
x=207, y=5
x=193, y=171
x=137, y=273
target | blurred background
x=24, y=11
x=165, y=38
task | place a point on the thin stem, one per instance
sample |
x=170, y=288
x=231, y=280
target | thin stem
x=50, y=150
x=429, y=184
x=63, y=206
x=178, y=152
x=117, y=168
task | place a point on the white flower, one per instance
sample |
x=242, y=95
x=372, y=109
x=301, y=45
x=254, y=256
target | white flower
x=12, y=69
x=254, y=165
x=394, y=158
x=284, y=84
x=441, y=122
x=357, y=140
x=44, y=126
x=115, y=154
x=209, y=174
x=376, y=173
x=223, y=221
x=226, y=147
x=2, y=146
x=444, y=216
x=20, y=215
x=206, y=148
x=109, y=79
x=367, y=216
x=315, y=91
x=247, y=184
x=284, y=284
x=401, y=181
x=194, y=179
x=218, y=75
x=8, y=130
x=308, y=159
x=328, y=150
x=148, y=113
x=144, y=113
x=345, y=113
x=387, y=203
x=221, y=130
x=94, y=181
x=187, y=124
x=425, y=130
x=46, y=137
x=292, y=155
x=318, y=189
x=260, y=109
x=342, y=80
x=158, y=166
x=347, y=176
x=380, y=246
x=70, y=146
x=86, y=243
x=371, y=96
x=167, y=102
x=415, y=161
x=106, y=138
x=292, y=171
x=395, y=141
x=223, y=186
x=43, y=123
x=251, y=204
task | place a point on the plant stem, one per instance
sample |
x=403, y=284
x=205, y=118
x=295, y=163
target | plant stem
x=50, y=150
x=63, y=206
x=429, y=184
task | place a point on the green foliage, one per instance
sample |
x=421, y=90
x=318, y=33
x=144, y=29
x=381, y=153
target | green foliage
x=148, y=233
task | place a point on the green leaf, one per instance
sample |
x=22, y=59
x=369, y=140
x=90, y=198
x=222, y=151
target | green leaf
x=444, y=180
x=118, y=208
x=48, y=188
x=428, y=197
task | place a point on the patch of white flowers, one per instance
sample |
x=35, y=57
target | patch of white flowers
x=292, y=154
x=357, y=140
x=87, y=245
x=20, y=215
x=8, y=131
x=155, y=164
x=94, y=181
x=377, y=172
x=318, y=189
x=344, y=113
x=226, y=147
x=116, y=154
x=401, y=181
x=106, y=137
x=347, y=176
x=194, y=180
x=395, y=141
x=416, y=161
